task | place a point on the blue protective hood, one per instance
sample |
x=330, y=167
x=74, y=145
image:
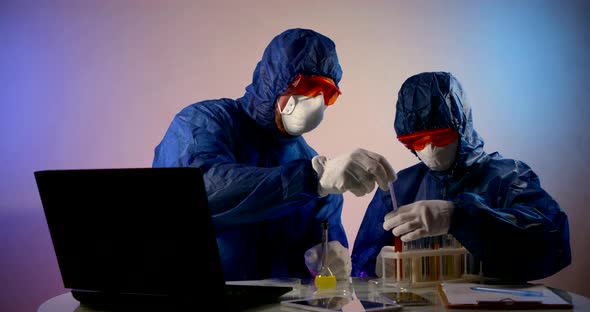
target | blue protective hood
x=294, y=51
x=436, y=100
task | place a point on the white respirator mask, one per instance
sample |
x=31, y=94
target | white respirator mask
x=302, y=113
x=439, y=158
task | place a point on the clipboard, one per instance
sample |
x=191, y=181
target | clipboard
x=462, y=296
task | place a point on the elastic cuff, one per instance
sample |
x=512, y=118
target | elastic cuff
x=318, y=162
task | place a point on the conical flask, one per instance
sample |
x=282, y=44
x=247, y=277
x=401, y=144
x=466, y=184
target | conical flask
x=325, y=279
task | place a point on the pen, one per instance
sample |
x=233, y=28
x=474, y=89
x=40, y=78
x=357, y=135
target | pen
x=526, y=293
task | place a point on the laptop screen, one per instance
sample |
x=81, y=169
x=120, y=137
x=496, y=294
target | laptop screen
x=132, y=230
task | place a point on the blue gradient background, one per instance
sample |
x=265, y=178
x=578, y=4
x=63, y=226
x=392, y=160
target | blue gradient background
x=94, y=84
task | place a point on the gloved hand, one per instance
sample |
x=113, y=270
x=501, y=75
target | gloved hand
x=338, y=260
x=420, y=219
x=389, y=264
x=356, y=172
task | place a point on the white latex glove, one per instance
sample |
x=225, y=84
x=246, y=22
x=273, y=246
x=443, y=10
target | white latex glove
x=389, y=263
x=420, y=219
x=338, y=260
x=356, y=172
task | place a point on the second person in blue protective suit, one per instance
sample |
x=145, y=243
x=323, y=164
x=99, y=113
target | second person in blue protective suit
x=494, y=206
x=268, y=190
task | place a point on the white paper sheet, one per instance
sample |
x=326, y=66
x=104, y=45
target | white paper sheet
x=461, y=293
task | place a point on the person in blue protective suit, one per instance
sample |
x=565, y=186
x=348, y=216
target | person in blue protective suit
x=494, y=206
x=268, y=190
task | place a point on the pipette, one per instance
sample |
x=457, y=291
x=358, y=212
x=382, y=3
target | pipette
x=325, y=279
x=398, y=241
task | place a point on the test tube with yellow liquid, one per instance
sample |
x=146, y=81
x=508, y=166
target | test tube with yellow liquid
x=325, y=279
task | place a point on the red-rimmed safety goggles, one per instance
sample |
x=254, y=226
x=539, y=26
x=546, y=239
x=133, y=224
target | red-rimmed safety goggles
x=439, y=137
x=314, y=85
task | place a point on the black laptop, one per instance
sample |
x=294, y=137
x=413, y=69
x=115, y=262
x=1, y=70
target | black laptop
x=139, y=238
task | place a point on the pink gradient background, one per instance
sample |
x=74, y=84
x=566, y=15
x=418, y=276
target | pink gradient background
x=94, y=84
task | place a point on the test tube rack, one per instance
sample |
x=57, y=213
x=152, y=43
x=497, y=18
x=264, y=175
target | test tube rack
x=427, y=262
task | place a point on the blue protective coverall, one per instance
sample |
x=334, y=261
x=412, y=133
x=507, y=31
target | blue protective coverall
x=261, y=186
x=502, y=214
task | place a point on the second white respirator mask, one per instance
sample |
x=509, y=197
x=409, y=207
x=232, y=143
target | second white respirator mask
x=439, y=158
x=303, y=113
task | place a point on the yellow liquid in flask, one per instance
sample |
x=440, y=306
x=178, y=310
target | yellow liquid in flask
x=325, y=281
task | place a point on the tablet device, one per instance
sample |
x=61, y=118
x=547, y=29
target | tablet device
x=406, y=298
x=338, y=304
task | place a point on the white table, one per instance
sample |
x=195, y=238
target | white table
x=360, y=287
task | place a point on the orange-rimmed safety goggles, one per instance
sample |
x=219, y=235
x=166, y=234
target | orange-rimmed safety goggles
x=314, y=85
x=439, y=137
